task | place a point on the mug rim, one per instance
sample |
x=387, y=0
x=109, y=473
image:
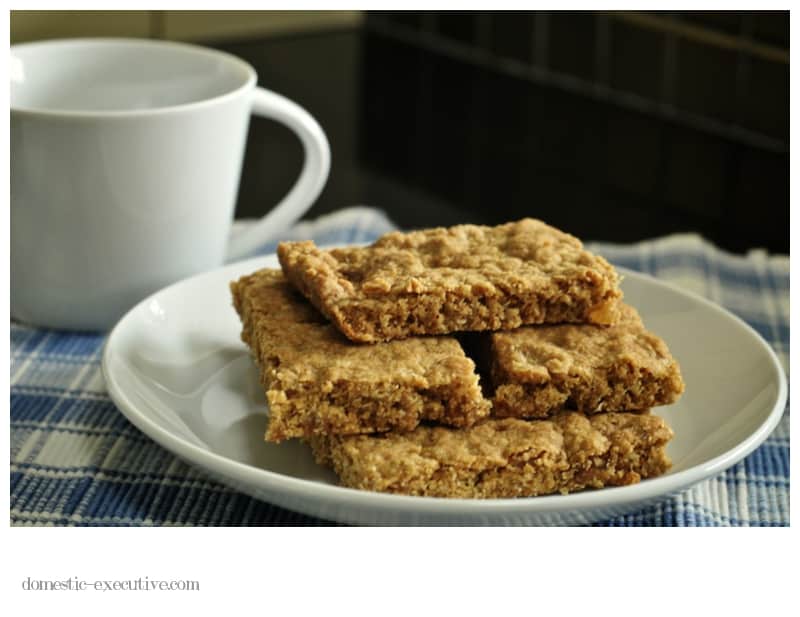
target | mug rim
x=248, y=84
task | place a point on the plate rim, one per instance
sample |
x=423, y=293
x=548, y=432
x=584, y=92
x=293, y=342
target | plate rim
x=272, y=481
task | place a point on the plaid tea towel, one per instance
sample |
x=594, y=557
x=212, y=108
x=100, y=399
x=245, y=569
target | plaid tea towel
x=75, y=460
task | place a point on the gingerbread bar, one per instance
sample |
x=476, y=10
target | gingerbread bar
x=502, y=457
x=538, y=370
x=317, y=381
x=464, y=278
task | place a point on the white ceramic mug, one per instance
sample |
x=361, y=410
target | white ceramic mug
x=125, y=164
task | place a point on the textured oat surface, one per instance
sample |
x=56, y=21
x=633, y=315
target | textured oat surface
x=538, y=370
x=317, y=381
x=463, y=278
x=503, y=457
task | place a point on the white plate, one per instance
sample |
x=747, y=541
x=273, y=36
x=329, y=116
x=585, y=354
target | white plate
x=176, y=368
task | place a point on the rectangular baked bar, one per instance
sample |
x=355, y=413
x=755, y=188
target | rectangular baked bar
x=463, y=278
x=502, y=457
x=316, y=381
x=538, y=370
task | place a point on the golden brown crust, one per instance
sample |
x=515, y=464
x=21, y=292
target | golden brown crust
x=536, y=371
x=317, y=381
x=503, y=457
x=463, y=278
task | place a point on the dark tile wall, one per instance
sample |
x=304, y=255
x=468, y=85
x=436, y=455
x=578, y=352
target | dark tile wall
x=512, y=35
x=729, y=22
x=614, y=126
x=571, y=44
x=766, y=109
x=772, y=27
x=636, y=60
x=455, y=25
x=706, y=80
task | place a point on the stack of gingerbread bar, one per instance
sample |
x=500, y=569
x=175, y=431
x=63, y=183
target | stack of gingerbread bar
x=463, y=362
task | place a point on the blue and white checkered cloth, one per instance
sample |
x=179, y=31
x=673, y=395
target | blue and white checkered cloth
x=75, y=460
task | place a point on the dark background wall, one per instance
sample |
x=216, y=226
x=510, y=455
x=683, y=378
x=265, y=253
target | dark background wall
x=617, y=126
x=614, y=126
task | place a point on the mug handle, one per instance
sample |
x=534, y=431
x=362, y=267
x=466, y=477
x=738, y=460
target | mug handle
x=316, y=165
